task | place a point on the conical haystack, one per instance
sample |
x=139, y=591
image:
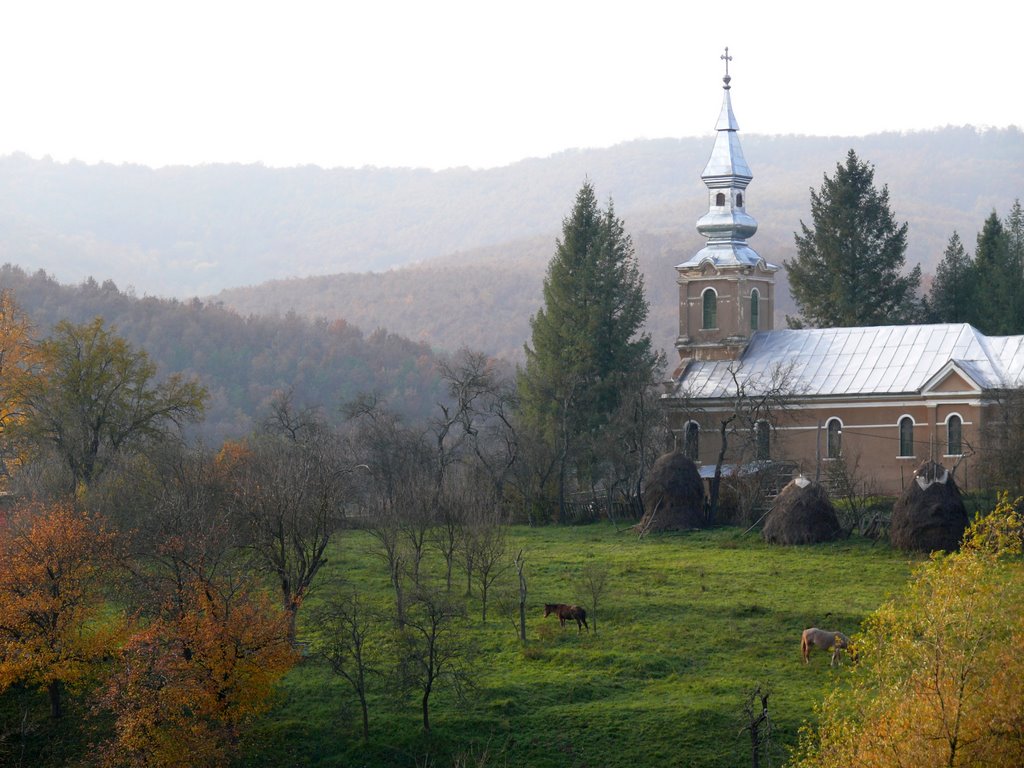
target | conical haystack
x=802, y=514
x=673, y=496
x=930, y=514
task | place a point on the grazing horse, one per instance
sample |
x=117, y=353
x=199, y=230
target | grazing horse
x=564, y=612
x=823, y=640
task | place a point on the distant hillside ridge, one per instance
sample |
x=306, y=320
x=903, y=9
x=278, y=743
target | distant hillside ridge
x=244, y=361
x=939, y=181
x=195, y=231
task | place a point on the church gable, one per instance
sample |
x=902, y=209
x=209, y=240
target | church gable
x=950, y=378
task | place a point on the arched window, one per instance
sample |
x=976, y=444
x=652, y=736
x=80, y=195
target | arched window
x=739, y=199
x=834, y=432
x=954, y=435
x=755, y=309
x=691, y=440
x=906, y=436
x=762, y=441
x=710, y=308
x=720, y=199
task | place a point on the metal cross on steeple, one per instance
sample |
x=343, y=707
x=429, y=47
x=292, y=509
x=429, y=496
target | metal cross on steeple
x=726, y=58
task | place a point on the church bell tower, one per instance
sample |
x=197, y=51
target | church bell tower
x=726, y=290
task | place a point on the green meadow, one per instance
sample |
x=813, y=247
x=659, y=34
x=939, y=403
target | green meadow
x=688, y=625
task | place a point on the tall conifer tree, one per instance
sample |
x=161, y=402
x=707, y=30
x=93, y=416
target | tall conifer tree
x=1015, y=243
x=995, y=296
x=588, y=348
x=848, y=268
x=952, y=296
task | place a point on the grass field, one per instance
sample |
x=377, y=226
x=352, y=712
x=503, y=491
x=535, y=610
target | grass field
x=688, y=625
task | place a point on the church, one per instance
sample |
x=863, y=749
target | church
x=877, y=400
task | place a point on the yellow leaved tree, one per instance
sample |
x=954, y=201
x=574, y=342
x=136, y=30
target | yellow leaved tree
x=940, y=670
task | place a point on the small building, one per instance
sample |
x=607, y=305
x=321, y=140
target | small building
x=879, y=399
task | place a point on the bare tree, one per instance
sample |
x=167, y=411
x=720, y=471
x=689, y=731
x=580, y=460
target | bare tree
x=288, y=488
x=849, y=484
x=636, y=435
x=397, y=507
x=1002, y=442
x=349, y=639
x=758, y=725
x=534, y=476
x=382, y=523
x=487, y=537
x=461, y=493
x=435, y=648
x=592, y=584
x=484, y=399
x=754, y=400
x=520, y=564
x=172, y=507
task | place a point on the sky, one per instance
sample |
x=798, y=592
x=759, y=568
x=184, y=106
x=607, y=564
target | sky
x=442, y=84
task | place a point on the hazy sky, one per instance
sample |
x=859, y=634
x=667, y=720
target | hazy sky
x=485, y=83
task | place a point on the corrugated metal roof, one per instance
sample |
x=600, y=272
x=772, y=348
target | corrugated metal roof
x=883, y=360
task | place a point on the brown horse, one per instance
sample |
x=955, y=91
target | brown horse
x=563, y=612
x=824, y=640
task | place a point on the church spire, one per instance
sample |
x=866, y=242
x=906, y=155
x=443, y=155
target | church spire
x=726, y=290
x=727, y=225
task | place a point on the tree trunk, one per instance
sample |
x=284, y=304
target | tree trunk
x=396, y=582
x=54, y=690
x=522, y=598
x=292, y=609
x=426, y=709
x=716, y=481
x=366, y=717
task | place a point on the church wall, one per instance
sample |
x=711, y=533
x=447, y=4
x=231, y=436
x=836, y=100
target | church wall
x=870, y=439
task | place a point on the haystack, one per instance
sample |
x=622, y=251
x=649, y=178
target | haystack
x=930, y=514
x=802, y=514
x=673, y=496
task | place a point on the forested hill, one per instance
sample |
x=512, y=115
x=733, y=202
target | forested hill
x=243, y=361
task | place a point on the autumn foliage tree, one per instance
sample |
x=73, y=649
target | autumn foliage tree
x=53, y=562
x=19, y=361
x=940, y=675
x=189, y=680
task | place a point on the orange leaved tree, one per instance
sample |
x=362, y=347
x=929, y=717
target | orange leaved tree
x=193, y=676
x=54, y=558
x=19, y=362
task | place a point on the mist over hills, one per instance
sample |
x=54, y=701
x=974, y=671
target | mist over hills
x=939, y=182
x=457, y=257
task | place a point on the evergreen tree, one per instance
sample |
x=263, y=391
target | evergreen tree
x=588, y=348
x=1015, y=233
x=847, y=271
x=996, y=296
x=1015, y=243
x=952, y=296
